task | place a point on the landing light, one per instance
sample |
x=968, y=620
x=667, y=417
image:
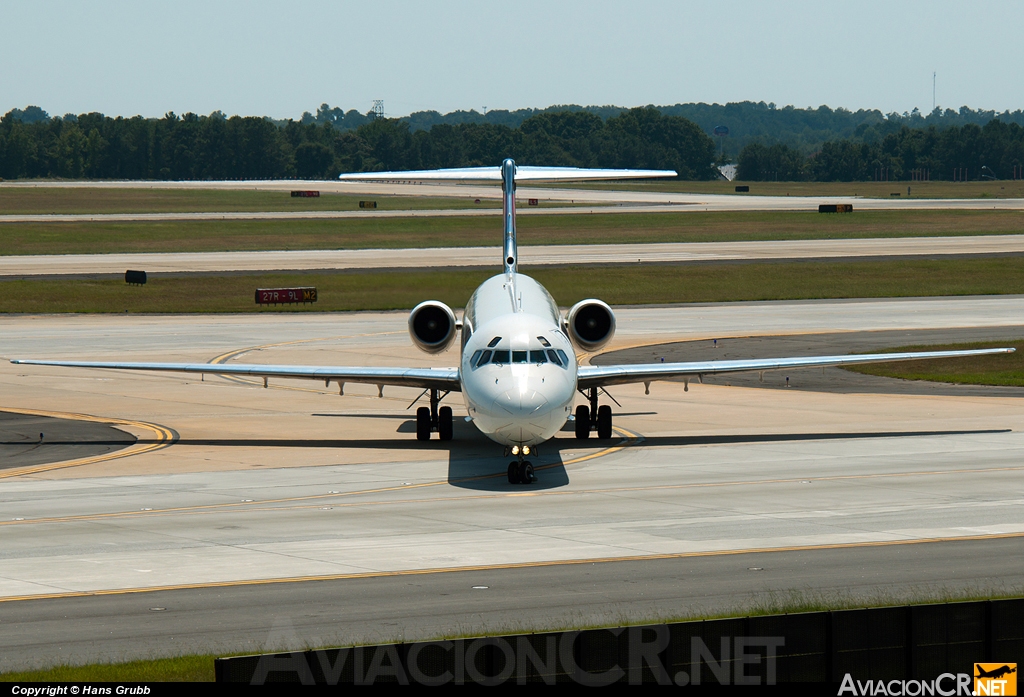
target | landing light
x=526, y=450
x=515, y=449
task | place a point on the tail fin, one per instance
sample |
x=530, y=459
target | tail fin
x=508, y=174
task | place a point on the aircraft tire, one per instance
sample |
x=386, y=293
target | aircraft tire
x=513, y=472
x=526, y=473
x=444, y=423
x=423, y=423
x=604, y=422
x=582, y=422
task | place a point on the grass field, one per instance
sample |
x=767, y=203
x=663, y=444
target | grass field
x=933, y=189
x=210, y=236
x=618, y=285
x=29, y=200
x=980, y=370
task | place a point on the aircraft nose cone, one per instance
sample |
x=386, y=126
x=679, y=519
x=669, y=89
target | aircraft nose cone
x=521, y=403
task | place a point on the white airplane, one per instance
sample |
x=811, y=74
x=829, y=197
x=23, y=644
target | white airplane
x=518, y=371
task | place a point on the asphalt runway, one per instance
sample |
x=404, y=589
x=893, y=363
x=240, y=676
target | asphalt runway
x=31, y=439
x=546, y=255
x=712, y=500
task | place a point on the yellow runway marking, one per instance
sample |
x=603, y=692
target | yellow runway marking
x=267, y=505
x=516, y=565
x=255, y=505
x=164, y=438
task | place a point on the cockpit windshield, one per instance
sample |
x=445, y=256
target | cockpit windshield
x=505, y=356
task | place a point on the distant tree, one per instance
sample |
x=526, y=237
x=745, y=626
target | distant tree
x=313, y=161
x=777, y=162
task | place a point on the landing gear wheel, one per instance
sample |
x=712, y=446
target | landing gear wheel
x=604, y=422
x=444, y=423
x=525, y=473
x=423, y=423
x=513, y=472
x=582, y=422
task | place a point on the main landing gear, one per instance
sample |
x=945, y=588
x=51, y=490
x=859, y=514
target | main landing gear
x=432, y=418
x=593, y=417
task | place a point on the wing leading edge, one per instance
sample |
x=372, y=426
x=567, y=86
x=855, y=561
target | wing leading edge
x=601, y=375
x=423, y=378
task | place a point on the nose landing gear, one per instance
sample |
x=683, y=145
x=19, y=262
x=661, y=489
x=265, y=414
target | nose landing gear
x=593, y=417
x=520, y=472
x=433, y=418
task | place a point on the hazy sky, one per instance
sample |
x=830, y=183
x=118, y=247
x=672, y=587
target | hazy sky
x=282, y=58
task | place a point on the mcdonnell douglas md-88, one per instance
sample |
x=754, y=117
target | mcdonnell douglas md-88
x=518, y=372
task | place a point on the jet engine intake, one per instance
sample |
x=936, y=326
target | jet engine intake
x=432, y=326
x=591, y=324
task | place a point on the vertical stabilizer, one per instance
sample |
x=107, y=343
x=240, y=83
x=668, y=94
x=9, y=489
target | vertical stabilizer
x=508, y=196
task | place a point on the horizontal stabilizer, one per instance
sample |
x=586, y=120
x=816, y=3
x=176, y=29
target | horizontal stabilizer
x=523, y=174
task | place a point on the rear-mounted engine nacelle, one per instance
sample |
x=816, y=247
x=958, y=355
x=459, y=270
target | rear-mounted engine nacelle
x=432, y=326
x=591, y=324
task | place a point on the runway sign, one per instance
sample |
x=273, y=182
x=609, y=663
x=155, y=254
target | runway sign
x=305, y=194
x=280, y=296
x=367, y=204
x=835, y=208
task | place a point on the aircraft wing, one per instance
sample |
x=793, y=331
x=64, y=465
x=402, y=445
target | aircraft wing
x=601, y=375
x=435, y=378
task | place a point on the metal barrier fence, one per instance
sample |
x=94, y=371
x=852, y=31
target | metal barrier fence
x=909, y=643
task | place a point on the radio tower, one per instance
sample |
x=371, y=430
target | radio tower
x=378, y=109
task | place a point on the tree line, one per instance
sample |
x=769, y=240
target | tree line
x=193, y=147
x=969, y=152
x=804, y=129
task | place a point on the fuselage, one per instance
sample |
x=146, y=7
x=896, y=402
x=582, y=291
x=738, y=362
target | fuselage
x=518, y=368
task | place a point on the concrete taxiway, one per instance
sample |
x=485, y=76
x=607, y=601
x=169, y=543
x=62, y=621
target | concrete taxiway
x=545, y=255
x=293, y=516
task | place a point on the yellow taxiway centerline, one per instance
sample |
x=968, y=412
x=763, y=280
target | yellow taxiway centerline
x=164, y=438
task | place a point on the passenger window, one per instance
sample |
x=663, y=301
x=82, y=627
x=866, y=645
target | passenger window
x=554, y=357
x=565, y=359
x=537, y=357
x=494, y=342
x=476, y=355
x=500, y=357
x=483, y=359
x=519, y=356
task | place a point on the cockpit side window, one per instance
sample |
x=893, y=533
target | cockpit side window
x=544, y=342
x=554, y=357
x=565, y=359
x=476, y=355
x=494, y=342
x=484, y=357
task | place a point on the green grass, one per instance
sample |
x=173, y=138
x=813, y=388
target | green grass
x=596, y=228
x=999, y=369
x=619, y=285
x=38, y=200
x=181, y=669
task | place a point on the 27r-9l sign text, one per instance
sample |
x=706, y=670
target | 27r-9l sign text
x=278, y=296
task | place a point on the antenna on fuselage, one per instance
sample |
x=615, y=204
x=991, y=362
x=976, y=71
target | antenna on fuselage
x=508, y=196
